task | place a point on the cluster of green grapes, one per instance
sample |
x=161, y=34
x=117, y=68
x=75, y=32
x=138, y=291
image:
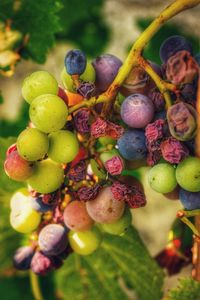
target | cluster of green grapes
x=76, y=165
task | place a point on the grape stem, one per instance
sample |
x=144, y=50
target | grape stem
x=183, y=216
x=135, y=57
x=35, y=286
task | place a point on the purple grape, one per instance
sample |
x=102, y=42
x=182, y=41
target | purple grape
x=106, y=67
x=22, y=258
x=53, y=239
x=137, y=111
x=41, y=264
x=189, y=200
x=132, y=145
x=38, y=205
x=75, y=62
x=160, y=115
x=188, y=92
x=172, y=45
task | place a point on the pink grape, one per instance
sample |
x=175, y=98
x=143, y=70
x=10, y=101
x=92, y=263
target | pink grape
x=137, y=111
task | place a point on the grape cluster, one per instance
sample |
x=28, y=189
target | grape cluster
x=73, y=162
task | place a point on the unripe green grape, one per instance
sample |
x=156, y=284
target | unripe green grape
x=63, y=146
x=39, y=83
x=47, y=176
x=118, y=227
x=88, y=75
x=48, y=113
x=32, y=144
x=85, y=242
x=162, y=178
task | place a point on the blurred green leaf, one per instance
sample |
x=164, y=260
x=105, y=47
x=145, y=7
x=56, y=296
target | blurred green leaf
x=1, y=98
x=99, y=276
x=188, y=289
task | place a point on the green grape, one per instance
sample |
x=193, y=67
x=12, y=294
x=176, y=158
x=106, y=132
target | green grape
x=32, y=144
x=63, y=146
x=162, y=178
x=23, y=217
x=88, y=75
x=85, y=242
x=104, y=156
x=39, y=83
x=106, y=140
x=118, y=227
x=47, y=176
x=48, y=113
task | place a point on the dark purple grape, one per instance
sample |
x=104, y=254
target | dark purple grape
x=191, y=146
x=160, y=115
x=81, y=121
x=190, y=200
x=75, y=62
x=41, y=264
x=137, y=111
x=188, y=92
x=197, y=58
x=52, y=239
x=38, y=205
x=86, y=89
x=106, y=67
x=172, y=45
x=22, y=258
x=132, y=144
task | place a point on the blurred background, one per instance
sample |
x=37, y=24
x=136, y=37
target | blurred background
x=38, y=35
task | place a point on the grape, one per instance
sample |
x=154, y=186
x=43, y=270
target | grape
x=52, y=239
x=106, y=155
x=41, y=264
x=120, y=226
x=23, y=217
x=189, y=200
x=75, y=62
x=132, y=144
x=105, y=209
x=22, y=258
x=137, y=111
x=172, y=45
x=188, y=174
x=162, y=178
x=63, y=146
x=39, y=83
x=76, y=216
x=48, y=113
x=17, y=168
x=39, y=206
x=47, y=176
x=32, y=144
x=88, y=76
x=106, y=67
x=85, y=242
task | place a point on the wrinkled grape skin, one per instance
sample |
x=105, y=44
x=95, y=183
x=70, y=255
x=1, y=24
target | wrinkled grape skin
x=32, y=144
x=190, y=200
x=63, y=146
x=48, y=113
x=132, y=144
x=76, y=216
x=39, y=83
x=47, y=176
x=106, y=67
x=105, y=209
x=17, y=168
x=75, y=62
x=106, y=155
x=172, y=45
x=137, y=111
x=85, y=242
x=52, y=239
x=22, y=258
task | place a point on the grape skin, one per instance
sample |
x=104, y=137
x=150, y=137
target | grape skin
x=105, y=209
x=38, y=83
x=22, y=258
x=17, y=168
x=137, y=111
x=76, y=216
x=32, y=144
x=63, y=146
x=48, y=113
x=52, y=239
x=39, y=206
x=190, y=200
x=75, y=62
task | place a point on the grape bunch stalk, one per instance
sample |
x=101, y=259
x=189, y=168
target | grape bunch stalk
x=79, y=151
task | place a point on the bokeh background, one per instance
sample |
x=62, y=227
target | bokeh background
x=95, y=26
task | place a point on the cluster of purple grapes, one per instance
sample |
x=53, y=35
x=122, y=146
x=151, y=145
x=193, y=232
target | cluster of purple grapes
x=74, y=163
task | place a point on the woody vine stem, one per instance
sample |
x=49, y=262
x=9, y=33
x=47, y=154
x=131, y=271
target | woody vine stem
x=135, y=58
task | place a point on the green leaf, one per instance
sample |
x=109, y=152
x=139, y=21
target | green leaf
x=120, y=261
x=188, y=289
